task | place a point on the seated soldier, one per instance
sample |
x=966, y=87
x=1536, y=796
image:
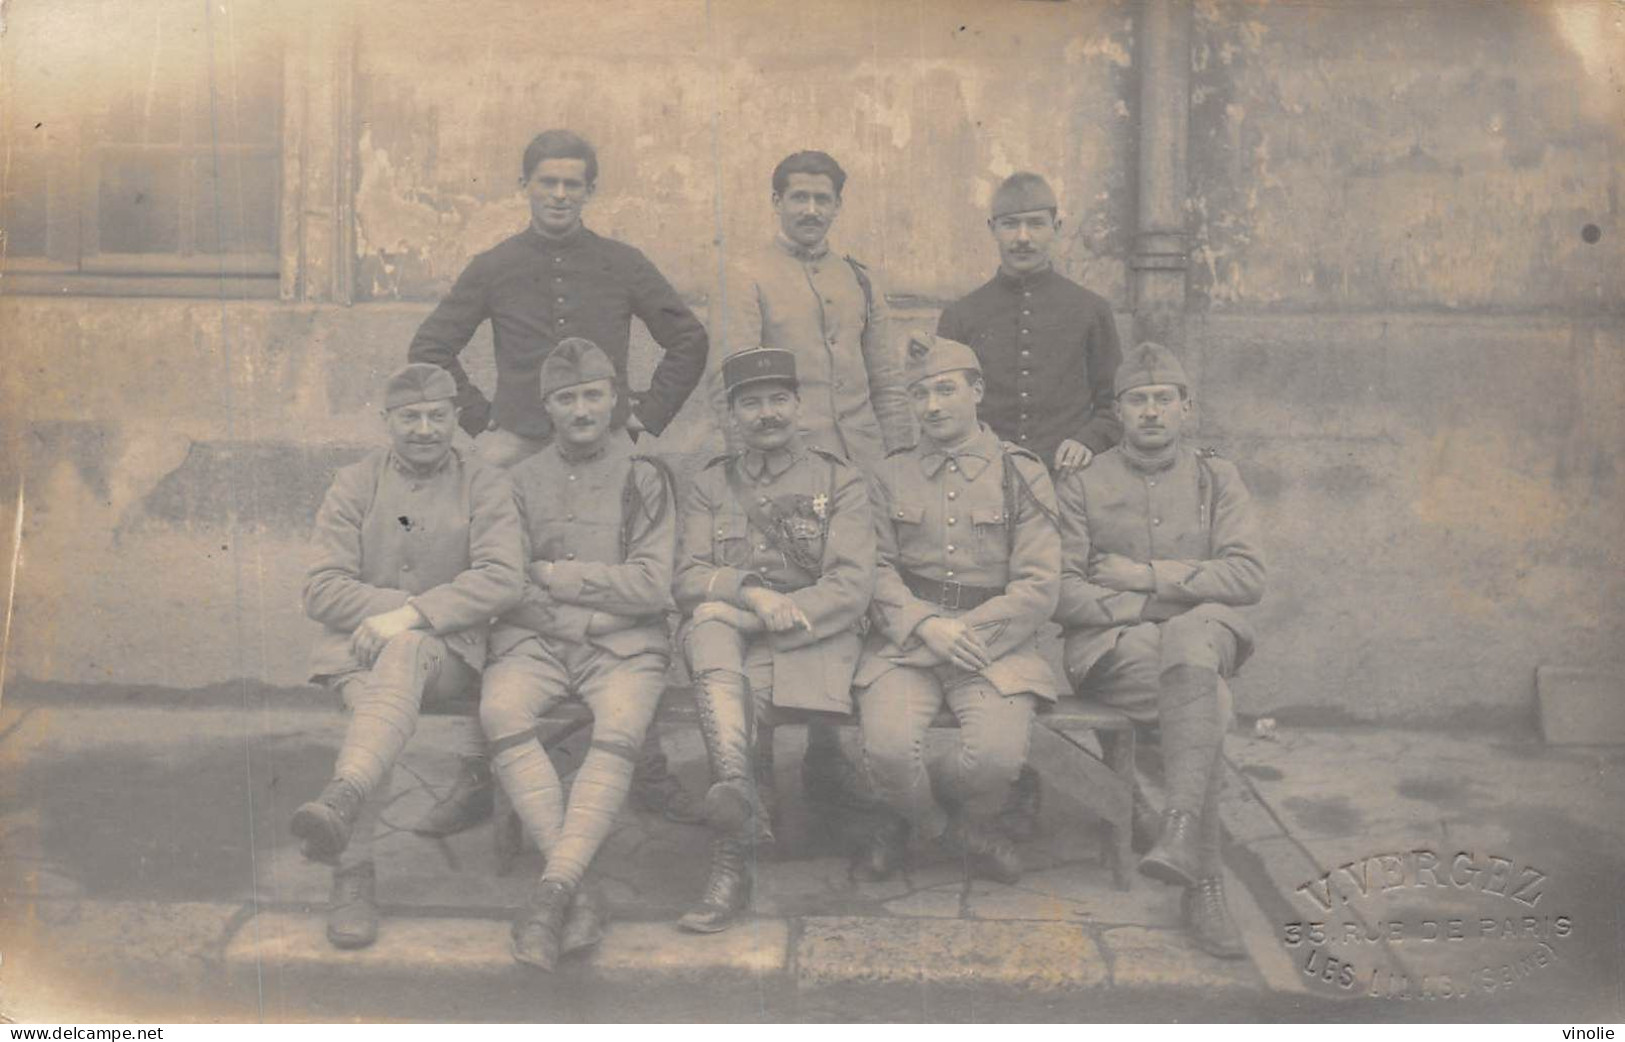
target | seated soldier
x=417, y=549
x=1160, y=545
x=969, y=572
x=601, y=530
x=776, y=569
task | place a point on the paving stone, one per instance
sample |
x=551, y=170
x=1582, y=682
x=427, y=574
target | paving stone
x=1153, y=958
x=638, y=951
x=935, y=902
x=180, y=938
x=1087, y=895
x=1030, y=956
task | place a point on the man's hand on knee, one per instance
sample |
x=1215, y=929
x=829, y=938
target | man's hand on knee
x=955, y=642
x=777, y=610
x=376, y=631
x=728, y=615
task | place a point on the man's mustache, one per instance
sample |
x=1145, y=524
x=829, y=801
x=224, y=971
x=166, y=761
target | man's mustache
x=770, y=425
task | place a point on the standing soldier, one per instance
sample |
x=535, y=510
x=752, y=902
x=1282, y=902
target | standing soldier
x=796, y=295
x=969, y=571
x=417, y=549
x=1161, y=544
x=602, y=532
x=556, y=279
x=777, y=566
x=1048, y=347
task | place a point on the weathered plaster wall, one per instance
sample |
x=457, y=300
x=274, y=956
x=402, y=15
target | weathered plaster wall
x=927, y=106
x=1439, y=155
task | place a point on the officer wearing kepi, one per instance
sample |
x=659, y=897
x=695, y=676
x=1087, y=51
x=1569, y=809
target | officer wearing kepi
x=417, y=549
x=776, y=568
x=601, y=527
x=1160, y=547
x=969, y=571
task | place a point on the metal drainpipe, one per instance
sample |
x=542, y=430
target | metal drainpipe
x=1161, y=244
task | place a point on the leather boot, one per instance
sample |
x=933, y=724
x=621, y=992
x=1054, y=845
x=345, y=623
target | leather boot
x=727, y=722
x=584, y=923
x=657, y=791
x=1177, y=856
x=468, y=803
x=884, y=850
x=325, y=822
x=767, y=793
x=727, y=889
x=539, y=931
x=1019, y=817
x=1206, y=915
x=1144, y=823
x=352, y=912
x=987, y=852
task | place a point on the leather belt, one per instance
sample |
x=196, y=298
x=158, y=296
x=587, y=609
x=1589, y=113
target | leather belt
x=955, y=596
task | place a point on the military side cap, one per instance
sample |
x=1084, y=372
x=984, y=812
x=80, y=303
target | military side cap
x=1023, y=193
x=574, y=361
x=929, y=355
x=1146, y=365
x=418, y=382
x=756, y=365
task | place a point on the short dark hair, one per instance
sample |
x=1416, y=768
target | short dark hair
x=808, y=163
x=560, y=144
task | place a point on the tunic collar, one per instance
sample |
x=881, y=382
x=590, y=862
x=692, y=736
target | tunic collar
x=972, y=456
x=574, y=236
x=1025, y=282
x=768, y=466
x=1150, y=464
x=798, y=251
x=412, y=471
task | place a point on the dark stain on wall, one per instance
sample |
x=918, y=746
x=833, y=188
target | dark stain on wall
x=272, y=486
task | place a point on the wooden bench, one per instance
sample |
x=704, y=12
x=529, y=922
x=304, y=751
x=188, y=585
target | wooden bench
x=1060, y=752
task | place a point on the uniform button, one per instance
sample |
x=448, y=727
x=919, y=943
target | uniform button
x=902, y=514
x=1150, y=481
x=561, y=321
x=1024, y=394
x=721, y=532
x=570, y=556
x=763, y=501
x=950, y=573
x=1156, y=520
x=950, y=548
x=761, y=546
x=1026, y=372
x=1025, y=352
x=1024, y=332
x=953, y=466
x=557, y=260
x=406, y=568
x=1024, y=311
x=953, y=520
x=572, y=477
x=569, y=517
x=561, y=300
x=951, y=495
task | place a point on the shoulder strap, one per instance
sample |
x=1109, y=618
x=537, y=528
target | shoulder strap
x=1016, y=489
x=633, y=505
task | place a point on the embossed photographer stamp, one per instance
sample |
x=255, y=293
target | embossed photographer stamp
x=1426, y=925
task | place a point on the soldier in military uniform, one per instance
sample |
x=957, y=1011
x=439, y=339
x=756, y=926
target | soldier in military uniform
x=969, y=571
x=1160, y=548
x=776, y=569
x=601, y=531
x=417, y=549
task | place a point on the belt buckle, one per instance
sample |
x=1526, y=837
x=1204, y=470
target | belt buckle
x=951, y=591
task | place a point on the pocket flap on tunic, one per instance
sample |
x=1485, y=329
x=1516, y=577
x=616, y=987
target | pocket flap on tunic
x=987, y=516
x=731, y=526
x=907, y=513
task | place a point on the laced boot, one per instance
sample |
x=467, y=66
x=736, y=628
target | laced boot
x=352, y=912
x=1177, y=856
x=1019, y=818
x=884, y=851
x=470, y=801
x=658, y=791
x=988, y=853
x=325, y=822
x=584, y=923
x=727, y=722
x=538, y=932
x=727, y=889
x=1206, y=916
x=767, y=798
x=1144, y=823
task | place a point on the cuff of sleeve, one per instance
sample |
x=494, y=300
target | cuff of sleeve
x=565, y=580
x=908, y=620
x=728, y=583
x=429, y=606
x=1171, y=577
x=1125, y=607
x=650, y=414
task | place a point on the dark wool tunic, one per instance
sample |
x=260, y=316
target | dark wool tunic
x=536, y=291
x=1049, y=351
